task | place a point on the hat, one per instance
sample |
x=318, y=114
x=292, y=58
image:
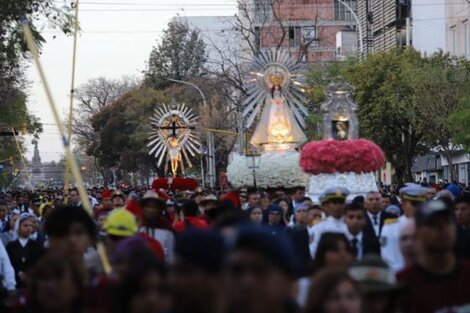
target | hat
x=374, y=275
x=209, y=198
x=198, y=191
x=300, y=206
x=432, y=211
x=455, y=190
x=276, y=248
x=203, y=249
x=118, y=193
x=121, y=223
x=413, y=192
x=274, y=208
x=393, y=209
x=232, y=197
x=106, y=194
x=148, y=196
x=336, y=193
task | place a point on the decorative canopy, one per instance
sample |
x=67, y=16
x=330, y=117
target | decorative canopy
x=172, y=137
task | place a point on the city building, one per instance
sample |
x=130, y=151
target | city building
x=384, y=24
x=434, y=168
x=308, y=28
x=457, y=27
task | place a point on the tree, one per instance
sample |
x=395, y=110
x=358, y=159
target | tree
x=439, y=86
x=91, y=98
x=459, y=123
x=388, y=110
x=180, y=55
x=14, y=112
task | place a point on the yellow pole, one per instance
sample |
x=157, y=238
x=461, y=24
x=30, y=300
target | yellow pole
x=23, y=162
x=72, y=90
x=69, y=156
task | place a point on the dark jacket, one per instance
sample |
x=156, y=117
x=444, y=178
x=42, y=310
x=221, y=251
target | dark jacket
x=23, y=258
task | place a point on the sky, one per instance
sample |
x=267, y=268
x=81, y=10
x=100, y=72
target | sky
x=116, y=39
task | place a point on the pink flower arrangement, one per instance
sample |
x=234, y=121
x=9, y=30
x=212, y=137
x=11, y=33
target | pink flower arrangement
x=332, y=156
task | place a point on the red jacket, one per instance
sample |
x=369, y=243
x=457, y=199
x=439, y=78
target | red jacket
x=191, y=221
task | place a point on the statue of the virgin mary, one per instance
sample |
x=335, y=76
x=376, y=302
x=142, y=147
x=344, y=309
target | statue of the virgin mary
x=277, y=129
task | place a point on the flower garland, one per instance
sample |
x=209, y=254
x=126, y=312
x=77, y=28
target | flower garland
x=332, y=156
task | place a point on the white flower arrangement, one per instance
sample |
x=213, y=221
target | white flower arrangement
x=358, y=184
x=272, y=170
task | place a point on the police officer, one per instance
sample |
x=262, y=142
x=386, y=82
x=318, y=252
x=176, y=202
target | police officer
x=333, y=201
x=412, y=197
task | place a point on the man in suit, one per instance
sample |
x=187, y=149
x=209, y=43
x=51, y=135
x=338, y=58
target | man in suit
x=362, y=243
x=374, y=215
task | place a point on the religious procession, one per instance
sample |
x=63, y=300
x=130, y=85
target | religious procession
x=267, y=157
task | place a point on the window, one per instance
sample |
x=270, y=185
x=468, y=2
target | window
x=309, y=35
x=263, y=11
x=342, y=13
x=294, y=36
x=257, y=39
x=466, y=39
x=452, y=40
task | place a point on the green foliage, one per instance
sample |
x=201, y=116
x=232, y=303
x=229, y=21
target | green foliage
x=459, y=123
x=123, y=131
x=314, y=127
x=180, y=55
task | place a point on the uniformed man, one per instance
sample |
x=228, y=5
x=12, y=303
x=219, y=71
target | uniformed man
x=412, y=197
x=333, y=201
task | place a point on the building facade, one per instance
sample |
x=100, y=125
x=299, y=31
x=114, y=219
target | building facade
x=308, y=28
x=385, y=24
x=457, y=27
x=434, y=168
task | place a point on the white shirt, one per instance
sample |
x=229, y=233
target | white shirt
x=390, y=244
x=360, y=247
x=6, y=270
x=330, y=224
x=165, y=237
x=377, y=225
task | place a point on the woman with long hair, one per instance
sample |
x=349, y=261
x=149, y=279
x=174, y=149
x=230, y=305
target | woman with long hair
x=333, y=251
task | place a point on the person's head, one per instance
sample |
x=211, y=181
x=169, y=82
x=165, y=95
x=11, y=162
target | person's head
x=118, y=199
x=101, y=216
x=462, y=210
x=254, y=199
x=413, y=197
x=307, y=202
x=394, y=210
x=143, y=287
x=299, y=194
x=120, y=224
x=334, y=291
x=152, y=206
x=333, y=251
x=373, y=201
x=274, y=214
x=256, y=214
x=407, y=242
x=195, y=275
x=70, y=229
x=57, y=283
x=385, y=201
x=190, y=208
x=435, y=229
x=431, y=193
x=315, y=215
x=284, y=204
x=333, y=201
x=259, y=266
x=301, y=215
x=3, y=209
x=210, y=202
x=26, y=225
x=198, y=195
x=377, y=283
x=74, y=197
x=355, y=218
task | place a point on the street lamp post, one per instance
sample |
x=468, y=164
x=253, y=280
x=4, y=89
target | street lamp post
x=210, y=138
x=361, y=43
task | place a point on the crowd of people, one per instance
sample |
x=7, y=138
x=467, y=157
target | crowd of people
x=275, y=251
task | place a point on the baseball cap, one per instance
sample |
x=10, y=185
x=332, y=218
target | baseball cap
x=121, y=223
